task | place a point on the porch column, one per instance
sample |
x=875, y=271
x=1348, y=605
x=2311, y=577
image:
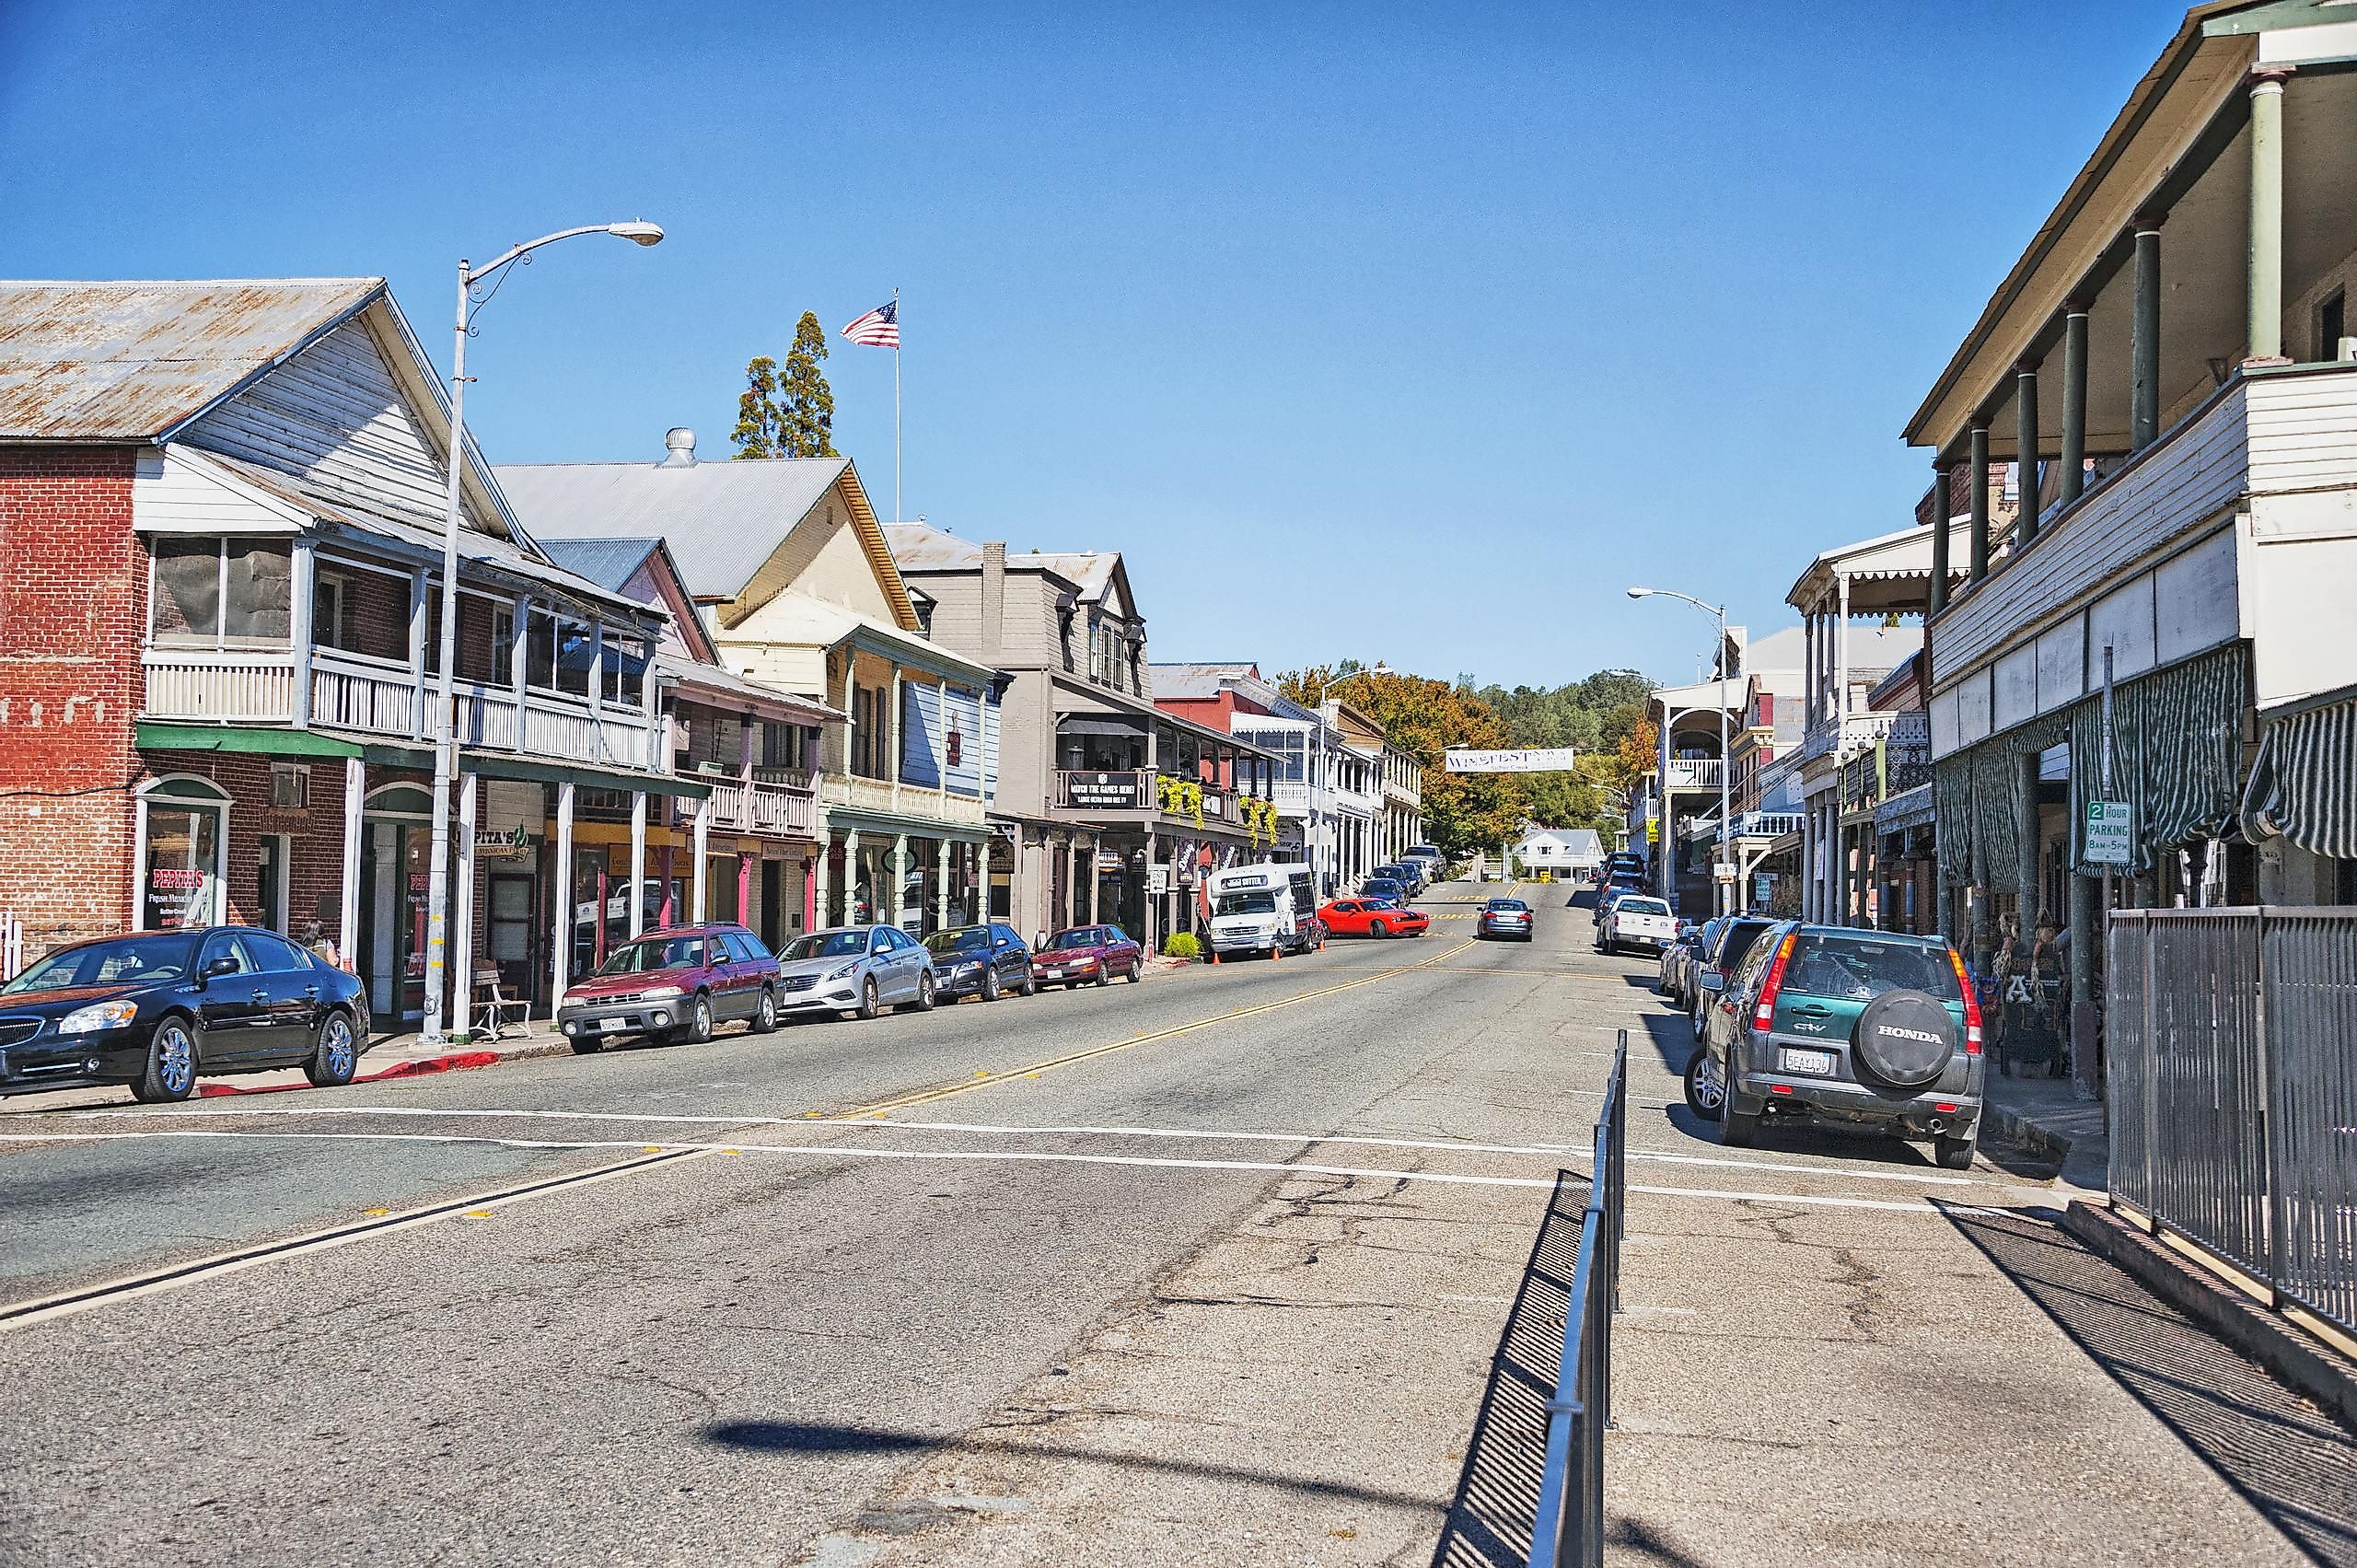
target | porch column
x=1978, y=894
x=2073, y=477
x=700, y=895
x=561, y=880
x=2085, y=932
x=2025, y=820
x=2144, y=337
x=900, y=904
x=1978, y=543
x=2266, y=333
x=298, y=630
x=637, y=861
x=347, y=912
x=851, y=882
x=941, y=887
x=1841, y=665
x=814, y=914
x=2026, y=451
x=1095, y=847
x=1151, y=938
x=518, y=657
x=1941, y=523
x=462, y=921
x=745, y=912
x=417, y=652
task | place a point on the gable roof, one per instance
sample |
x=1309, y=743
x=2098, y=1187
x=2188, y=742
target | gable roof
x=136, y=361
x=724, y=520
x=921, y=547
x=608, y=562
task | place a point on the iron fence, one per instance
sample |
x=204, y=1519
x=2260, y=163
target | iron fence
x=2232, y=1064
x=1568, y=1525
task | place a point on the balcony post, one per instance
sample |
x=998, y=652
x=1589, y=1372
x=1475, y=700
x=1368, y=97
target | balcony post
x=1979, y=457
x=900, y=905
x=821, y=906
x=1842, y=668
x=519, y=652
x=2073, y=479
x=700, y=892
x=347, y=912
x=462, y=918
x=2266, y=331
x=417, y=652
x=851, y=882
x=637, y=861
x=560, y=881
x=2144, y=337
x=298, y=631
x=2025, y=452
x=1941, y=520
x=941, y=884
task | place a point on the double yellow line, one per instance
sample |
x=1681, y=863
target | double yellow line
x=982, y=1080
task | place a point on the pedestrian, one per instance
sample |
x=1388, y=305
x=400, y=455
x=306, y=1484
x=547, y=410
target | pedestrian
x=315, y=938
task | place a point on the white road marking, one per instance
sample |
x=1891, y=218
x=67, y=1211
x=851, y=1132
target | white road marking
x=1003, y=1130
x=847, y=1151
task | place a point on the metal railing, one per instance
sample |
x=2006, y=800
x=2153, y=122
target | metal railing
x=2231, y=1059
x=1568, y=1525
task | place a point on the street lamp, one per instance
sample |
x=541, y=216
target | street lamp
x=1725, y=824
x=446, y=736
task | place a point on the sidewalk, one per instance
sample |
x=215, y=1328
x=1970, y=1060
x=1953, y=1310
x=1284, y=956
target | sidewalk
x=2045, y=1117
x=390, y=1055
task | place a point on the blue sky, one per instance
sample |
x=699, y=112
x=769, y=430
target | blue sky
x=1410, y=333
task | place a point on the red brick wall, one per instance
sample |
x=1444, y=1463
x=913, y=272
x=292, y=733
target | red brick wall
x=73, y=610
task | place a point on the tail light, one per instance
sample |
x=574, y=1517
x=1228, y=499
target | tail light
x=1763, y=1016
x=1971, y=1004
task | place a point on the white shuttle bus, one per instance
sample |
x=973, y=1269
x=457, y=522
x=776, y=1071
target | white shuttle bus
x=1269, y=908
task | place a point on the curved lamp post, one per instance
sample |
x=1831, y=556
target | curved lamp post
x=445, y=738
x=1726, y=762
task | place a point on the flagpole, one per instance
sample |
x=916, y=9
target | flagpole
x=895, y=407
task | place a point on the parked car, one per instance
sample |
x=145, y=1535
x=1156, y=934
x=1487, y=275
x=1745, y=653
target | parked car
x=980, y=960
x=1433, y=864
x=1722, y=954
x=1406, y=873
x=676, y=984
x=853, y=969
x=1374, y=917
x=1385, y=888
x=1637, y=920
x=1090, y=955
x=1503, y=917
x=1612, y=894
x=1842, y=1028
x=1678, y=959
x=157, y=1010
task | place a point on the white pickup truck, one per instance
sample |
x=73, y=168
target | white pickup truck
x=1635, y=922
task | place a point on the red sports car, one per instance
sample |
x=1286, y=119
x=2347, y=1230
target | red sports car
x=1374, y=917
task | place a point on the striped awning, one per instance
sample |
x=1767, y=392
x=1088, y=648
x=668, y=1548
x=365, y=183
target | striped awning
x=2304, y=784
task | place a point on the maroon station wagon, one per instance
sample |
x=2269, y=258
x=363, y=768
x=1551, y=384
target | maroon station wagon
x=1089, y=955
x=674, y=984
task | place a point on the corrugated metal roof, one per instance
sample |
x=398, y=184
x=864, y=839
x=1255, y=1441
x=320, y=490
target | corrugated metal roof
x=130, y=361
x=712, y=678
x=610, y=563
x=723, y=519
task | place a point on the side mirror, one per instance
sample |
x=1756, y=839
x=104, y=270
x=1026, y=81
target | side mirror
x=1713, y=980
x=225, y=964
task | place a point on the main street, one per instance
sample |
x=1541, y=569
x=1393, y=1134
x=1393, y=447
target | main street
x=1246, y=1263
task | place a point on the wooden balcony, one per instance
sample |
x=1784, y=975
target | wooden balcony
x=891, y=797
x=778, y=810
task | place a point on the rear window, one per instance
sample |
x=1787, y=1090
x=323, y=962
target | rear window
x=1846, y=968
x=1643, y=906
x=1739, y=938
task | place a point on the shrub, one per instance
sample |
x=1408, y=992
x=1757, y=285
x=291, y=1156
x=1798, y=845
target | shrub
x=1182, y=944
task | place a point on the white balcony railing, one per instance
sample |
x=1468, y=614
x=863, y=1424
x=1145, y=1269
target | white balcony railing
x=1846, y=738
x=889, y=797
x=1693, y=772
x=782, y=810
x=1764, y=824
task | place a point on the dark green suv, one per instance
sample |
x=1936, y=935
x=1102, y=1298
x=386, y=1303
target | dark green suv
x=1838, y=1026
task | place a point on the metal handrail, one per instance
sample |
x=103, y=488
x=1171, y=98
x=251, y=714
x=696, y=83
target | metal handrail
x=1567, y=1526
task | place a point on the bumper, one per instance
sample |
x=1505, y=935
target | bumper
x=1784, y=1093
x=586, y=1020
x=828, y=996
x=73, y=1062
x=950, y=987
x=1058, y=974
x=1241, y=941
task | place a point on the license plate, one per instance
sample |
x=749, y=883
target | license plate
x=1818, y=1061
x=602, y=1025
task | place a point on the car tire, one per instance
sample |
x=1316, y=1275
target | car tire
x=1377, y=928
x=990, y=992
x=764, y=1016
x=1137, y=971
x=925, y=993
x=1696, y=1020
x=334, y=1055
x=170, y=1073
x=698, y=1028
x=1954, y=1154
x=1103, y=975
x=870, y=999
x=1739, y=1130
x=586, y=1045
x=1030, y=986
x=1706, y=1085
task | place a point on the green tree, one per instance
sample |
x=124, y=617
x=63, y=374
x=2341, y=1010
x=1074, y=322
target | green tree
x=1424, y=718
x=757, y=434
x=806, y=405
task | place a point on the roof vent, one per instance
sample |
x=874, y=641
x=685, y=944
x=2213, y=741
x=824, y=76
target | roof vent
x=678, y=448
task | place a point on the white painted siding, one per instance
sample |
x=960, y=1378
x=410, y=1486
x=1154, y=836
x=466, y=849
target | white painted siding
x=2193, y=599
x=2014, y=699
x=2123, y=619
x=2303, y=430
x=2063, y=664
x=169, y=495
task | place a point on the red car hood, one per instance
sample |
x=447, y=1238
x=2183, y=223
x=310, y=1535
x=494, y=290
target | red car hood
x=592, y=986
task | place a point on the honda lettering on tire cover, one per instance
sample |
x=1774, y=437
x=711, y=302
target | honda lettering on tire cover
x=1904, y=1038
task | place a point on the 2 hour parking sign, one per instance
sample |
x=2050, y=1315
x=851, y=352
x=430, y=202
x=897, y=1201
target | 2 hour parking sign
x=2111, y=834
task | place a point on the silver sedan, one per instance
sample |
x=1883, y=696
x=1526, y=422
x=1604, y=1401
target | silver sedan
x=859, y=969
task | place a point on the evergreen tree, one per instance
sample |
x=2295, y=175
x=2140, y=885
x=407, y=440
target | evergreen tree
x=806, y=406
x=756, y=432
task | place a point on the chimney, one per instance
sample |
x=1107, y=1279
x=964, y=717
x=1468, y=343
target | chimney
x=678, y=448
x=993, y=597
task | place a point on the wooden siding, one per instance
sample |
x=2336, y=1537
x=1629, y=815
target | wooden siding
x=2303, y=431
x=172, y=495
x=335, y=416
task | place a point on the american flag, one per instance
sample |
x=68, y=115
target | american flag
x=880, y=328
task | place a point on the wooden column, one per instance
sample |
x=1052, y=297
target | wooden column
x=2026, y=451
x=1941, y=524
x=2073, y=459
x=2144, y=337
x=637, y=861
x=461, y=967
x=356, y=797
x=560, y=886
x=2265, y=330
x=1979, y=544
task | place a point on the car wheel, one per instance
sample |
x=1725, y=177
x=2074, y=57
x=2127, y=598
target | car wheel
x=925, y=993
x=870, y=1001
x=698, y=1028
x=1706, y=1085
x=990, y=985
x=1030, y=986
x=1377, y=928
x=1954, y=1154
x=1137, y=971
x=170, y=1072
x=586, y=1045
x=765, y=1016
x=1698, y=1018
x=334, y=1056
x=1103, y=975
x=1736, y=1129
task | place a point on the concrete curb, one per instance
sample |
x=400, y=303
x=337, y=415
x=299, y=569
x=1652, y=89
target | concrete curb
x=454, y=1061
x=2303, y=1365
x=2013, y=1127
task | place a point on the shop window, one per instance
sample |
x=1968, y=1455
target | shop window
x=290, y=787
x=182, y=822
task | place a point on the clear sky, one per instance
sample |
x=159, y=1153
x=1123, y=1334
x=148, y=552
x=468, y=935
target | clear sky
x=1412, y=333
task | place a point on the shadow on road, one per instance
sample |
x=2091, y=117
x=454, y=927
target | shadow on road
x=2292, y=1462
x=1497, y=1490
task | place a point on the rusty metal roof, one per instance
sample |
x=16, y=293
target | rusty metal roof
x=132, y=360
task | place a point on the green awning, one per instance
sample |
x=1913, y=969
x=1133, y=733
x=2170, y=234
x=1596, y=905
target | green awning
x=272, y=741
x=2305, y=783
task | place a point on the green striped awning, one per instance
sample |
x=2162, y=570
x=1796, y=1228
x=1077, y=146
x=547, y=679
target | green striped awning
x=2305, y=783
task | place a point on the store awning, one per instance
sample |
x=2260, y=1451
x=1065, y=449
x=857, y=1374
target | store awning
x=2304, y=784
x=264, y=740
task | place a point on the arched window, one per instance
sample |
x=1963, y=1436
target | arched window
x=400, y=801
x=182, y=831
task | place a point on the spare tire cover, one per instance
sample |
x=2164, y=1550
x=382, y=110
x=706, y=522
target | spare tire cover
x=1903, y=1038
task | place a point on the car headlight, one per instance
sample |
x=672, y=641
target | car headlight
x=657, y=992
x=965, y=966
x=845, y=973
x=98, y=1016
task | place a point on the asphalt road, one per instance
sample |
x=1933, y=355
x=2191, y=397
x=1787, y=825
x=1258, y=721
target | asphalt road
x=1235, y=1266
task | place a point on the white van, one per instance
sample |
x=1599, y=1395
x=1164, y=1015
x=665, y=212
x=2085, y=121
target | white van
x=1269, y=908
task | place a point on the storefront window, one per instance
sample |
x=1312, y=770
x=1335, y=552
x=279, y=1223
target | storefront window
x=180, y=882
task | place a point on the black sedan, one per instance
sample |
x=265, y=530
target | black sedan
x=980, y=960
x=159, y=1009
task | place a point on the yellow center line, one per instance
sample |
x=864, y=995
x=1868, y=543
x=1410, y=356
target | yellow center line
x=983, y=1078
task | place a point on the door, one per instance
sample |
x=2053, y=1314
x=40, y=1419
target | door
x=736, y=987
x=233, y=1017
x=512, y=932
x=884, y=963
x=292, y=1005
x=273, y=863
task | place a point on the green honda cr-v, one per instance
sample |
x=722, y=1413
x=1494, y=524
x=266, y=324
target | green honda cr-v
x=1840, y=1027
